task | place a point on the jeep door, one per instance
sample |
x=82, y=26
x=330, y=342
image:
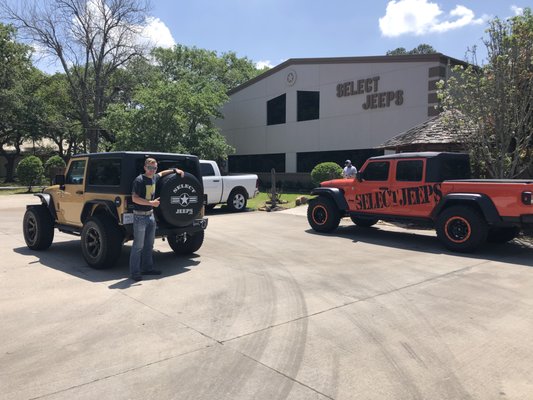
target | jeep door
x=71, y=197
x=368, y=195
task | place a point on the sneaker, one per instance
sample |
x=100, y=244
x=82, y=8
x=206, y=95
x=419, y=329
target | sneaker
x=137, y=278
x=152, y=272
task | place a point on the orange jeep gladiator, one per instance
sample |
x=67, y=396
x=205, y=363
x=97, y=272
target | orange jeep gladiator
x=429, y=188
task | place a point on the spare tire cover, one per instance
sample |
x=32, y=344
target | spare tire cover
x=181, y=199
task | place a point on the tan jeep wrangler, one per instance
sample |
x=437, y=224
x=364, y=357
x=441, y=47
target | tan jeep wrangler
x=93, y=201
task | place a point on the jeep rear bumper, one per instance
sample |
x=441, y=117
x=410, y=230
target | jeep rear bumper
x=164, y=230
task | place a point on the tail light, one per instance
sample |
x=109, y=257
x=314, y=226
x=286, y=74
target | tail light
x=527, y=198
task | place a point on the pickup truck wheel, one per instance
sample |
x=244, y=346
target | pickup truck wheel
x=38, y=228
x=502, y=235
x=323, y=215
x=237, y=200
x=364, y=222
x=461, y=228
x=101, y=242
x=186, y=244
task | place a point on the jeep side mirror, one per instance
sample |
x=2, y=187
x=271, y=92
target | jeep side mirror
x=59, y=180
x=359, y=176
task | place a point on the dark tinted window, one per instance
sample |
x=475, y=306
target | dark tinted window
x=276, y=110
x=377, y=171
x=105, y=172
x=207, y=169
x=409, y=171
x=257, y=163
x=75, y=173
x=308, y=105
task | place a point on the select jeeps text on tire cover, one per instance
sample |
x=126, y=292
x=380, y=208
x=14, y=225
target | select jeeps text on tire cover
x=93, y=201
x=427, y=188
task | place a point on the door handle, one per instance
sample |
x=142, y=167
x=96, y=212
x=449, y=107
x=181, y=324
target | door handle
x=383, y=188
x=217, y=180
x=79, y=191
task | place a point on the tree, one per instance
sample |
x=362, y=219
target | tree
x=494, y=102
x=18, y=83
x=420, y=49
x=59, y=116
x=174, y=109
x=91, y=39
x=326, y=171
x=30, y=171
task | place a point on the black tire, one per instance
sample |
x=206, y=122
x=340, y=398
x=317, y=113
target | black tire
x=323, y=215
x=101, y=242
x=237, y=200
x=187, y=244
x=181, y=199
x=364, y=222
x=502, y=235
x=462, y=228
x=38, y=228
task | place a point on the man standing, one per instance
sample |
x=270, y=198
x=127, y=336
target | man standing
x=144, y=201
x=349, y=170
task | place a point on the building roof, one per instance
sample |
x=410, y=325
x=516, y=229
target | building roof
x=434, y=131
x=435, y=57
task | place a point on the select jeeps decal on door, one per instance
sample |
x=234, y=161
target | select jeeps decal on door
x=406, y=196
x=185, y=196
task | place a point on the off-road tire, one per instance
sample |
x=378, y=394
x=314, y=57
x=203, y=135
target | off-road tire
x=462, y=228
x=181, y=199
x=237, y=200
x=323, y=214
x=38, y=228
x=502, y=235
x=101, y=242
x=187, y=245
x=364, y=222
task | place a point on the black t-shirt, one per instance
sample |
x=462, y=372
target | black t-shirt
x=144, y=187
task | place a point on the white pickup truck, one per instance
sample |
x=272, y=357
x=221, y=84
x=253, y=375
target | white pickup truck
x=235, y=190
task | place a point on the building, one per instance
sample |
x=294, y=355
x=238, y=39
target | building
x=306, y=111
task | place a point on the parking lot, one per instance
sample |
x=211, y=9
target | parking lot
x=267, y=309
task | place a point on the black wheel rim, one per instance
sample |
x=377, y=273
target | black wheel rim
x=93, y=242
x=320, y=215
x=458, y=229
x=31, y=228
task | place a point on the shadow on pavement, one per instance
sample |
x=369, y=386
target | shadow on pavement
x=66, y=257
x=516, y=252
x=223, y=210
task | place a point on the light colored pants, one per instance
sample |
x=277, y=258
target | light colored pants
x=143, y=244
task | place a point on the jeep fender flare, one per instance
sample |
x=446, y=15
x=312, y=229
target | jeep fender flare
x=90, y=205
x=337, y=195
x=48, y=201
x=480, y=201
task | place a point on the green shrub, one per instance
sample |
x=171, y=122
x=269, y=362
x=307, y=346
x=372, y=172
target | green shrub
x=326, y=171
x=30, y=171
x=54, y=166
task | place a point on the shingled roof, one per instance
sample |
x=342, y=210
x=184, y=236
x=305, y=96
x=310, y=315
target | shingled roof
x=432, y=134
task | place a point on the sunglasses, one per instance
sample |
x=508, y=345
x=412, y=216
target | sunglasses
x=151, y=168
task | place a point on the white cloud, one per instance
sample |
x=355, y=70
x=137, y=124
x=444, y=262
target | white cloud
x=157, y=33
x=420, y=17
x=517, y=10
x=264, y=63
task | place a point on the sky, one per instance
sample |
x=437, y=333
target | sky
x=270, y=32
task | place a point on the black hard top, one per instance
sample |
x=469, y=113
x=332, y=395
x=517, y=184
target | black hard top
x=422, y=154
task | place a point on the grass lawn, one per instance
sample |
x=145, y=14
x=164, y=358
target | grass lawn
x=261, y=199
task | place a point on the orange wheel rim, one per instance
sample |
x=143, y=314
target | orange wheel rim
x=320, y=215
x=458, y=229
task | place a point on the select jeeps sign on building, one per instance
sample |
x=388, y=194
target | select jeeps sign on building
x=305, y=111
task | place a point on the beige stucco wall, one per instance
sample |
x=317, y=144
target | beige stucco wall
x=343, y=123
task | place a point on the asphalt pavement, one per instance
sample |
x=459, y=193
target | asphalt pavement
x=267, y=309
